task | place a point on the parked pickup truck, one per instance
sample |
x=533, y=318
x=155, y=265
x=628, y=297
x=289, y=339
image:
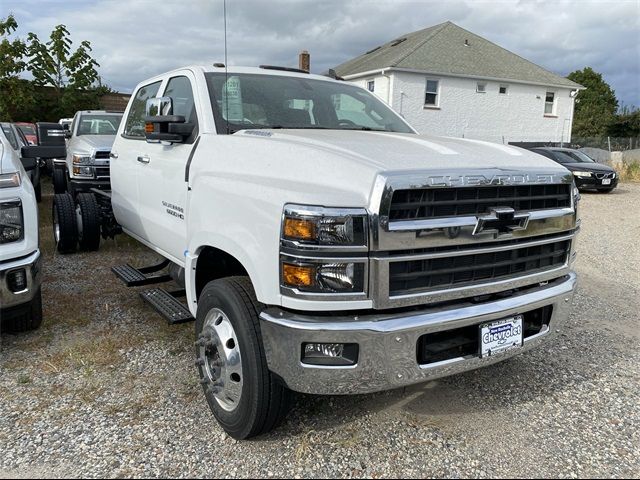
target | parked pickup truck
x=89, y=143
x=322, y=245
x=20, y=271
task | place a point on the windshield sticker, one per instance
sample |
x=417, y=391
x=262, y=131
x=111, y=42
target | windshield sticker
x=232, y=100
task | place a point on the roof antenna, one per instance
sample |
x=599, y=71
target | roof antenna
x=226, y=68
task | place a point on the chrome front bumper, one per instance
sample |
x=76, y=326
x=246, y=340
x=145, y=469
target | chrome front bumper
x=32, y=266
x=388, y=342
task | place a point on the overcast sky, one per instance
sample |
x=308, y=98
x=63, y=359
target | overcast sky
x=135, y=39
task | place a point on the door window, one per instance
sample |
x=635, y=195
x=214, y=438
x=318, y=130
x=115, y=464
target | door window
x=134, y=126
x=181, y=93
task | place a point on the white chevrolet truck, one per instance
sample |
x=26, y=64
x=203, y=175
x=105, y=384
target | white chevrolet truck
x=321, y=245
x=20, y=264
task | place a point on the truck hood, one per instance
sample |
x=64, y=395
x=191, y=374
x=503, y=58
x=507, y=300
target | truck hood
x=93, y=142
x=382, y=151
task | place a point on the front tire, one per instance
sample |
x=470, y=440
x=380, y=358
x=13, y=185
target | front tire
x=88, y=221
x=26, y=319
x=243, y=395
x=65, y=231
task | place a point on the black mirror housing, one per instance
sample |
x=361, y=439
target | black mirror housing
x=161, y=125
x=44, y=151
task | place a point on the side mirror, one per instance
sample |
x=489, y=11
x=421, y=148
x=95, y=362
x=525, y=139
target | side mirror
x=67, y=133
x=161, y=125
x=39, y=151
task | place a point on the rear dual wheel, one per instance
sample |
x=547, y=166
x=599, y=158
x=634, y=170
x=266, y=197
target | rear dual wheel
x=76, y=222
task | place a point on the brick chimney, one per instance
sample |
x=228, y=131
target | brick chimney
x=304, y=61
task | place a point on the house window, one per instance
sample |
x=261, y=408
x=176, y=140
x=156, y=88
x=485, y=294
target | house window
x=549, y=103
x=481, y=87
x=371, y=85
x=503, y=89
x=431, y=98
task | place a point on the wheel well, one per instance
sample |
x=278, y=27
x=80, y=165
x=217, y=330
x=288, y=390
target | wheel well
x=214, y=263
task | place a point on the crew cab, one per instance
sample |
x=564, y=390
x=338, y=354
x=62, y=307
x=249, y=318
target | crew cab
x=89, y=143
x=20, y=260
x=322, y=245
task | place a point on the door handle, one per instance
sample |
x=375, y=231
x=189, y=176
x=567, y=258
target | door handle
x=113, y=155
x=144, y=159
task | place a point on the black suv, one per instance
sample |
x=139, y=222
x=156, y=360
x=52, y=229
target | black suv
x=587, y=173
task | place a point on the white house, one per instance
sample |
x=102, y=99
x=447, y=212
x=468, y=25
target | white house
x=448, y=81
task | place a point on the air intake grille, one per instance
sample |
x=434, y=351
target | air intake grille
x=413, y=276
x=102, y=155
x=421, y=204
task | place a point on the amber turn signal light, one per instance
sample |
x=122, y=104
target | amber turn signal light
x=298, y=276
x=148, y=127
x=299, y=228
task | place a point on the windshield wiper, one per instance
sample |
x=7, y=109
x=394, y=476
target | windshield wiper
x=367, y=129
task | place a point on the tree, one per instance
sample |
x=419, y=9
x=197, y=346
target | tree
x=71, y=74
x=16, y=95
x=595, y=107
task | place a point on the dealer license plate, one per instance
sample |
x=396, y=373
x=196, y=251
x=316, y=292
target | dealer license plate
x=500, y=336
x=606, y=181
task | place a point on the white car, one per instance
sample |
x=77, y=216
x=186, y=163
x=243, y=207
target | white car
x=89, y=141
x=321, y=244
x=20, y=261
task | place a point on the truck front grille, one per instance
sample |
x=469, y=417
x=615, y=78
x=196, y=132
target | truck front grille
x=406, y=277
x=102, y=155
x=426, y=203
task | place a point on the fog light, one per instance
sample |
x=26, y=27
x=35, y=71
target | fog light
x=330, y=354
x=17, y=280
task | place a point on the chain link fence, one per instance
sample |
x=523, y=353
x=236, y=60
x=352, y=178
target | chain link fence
x=611, y=144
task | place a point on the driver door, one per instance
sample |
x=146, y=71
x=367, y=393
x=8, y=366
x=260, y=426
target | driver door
x=162, y=189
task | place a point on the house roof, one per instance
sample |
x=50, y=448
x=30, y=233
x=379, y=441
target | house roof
x=449, y=49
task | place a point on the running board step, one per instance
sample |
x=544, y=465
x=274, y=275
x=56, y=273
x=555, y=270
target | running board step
x=167, y=305
x=136, y=277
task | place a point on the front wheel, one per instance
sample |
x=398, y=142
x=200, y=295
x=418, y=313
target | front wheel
x=243, y=395
x=26, y=319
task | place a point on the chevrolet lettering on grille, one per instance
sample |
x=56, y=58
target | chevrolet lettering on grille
x=502, y=222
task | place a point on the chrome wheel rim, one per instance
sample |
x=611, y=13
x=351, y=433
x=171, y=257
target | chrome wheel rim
x=79, y=221
x=220, y=359
x=56, y=227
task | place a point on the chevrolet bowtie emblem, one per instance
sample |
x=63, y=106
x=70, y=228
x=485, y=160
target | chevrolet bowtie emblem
x=501, y=221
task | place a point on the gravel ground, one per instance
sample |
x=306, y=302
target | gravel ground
x=106, y=388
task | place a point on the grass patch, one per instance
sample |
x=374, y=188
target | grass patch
x=630, y=172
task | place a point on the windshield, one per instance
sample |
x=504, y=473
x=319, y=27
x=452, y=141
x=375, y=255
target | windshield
x=92, y=124
x=579, y=157
x=249, y=101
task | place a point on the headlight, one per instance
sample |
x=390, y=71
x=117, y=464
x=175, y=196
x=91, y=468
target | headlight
x=330, y=227
x=323, y=252
x=10, y=180
x=582, y=174
x=316, y=276
x=82, y=159
x=83, y=171
x=11, y=222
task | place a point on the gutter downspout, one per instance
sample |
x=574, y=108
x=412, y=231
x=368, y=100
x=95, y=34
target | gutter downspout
x=389, y=96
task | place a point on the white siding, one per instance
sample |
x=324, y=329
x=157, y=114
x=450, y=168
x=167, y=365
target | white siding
x=381, y=89
x=517, y=116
